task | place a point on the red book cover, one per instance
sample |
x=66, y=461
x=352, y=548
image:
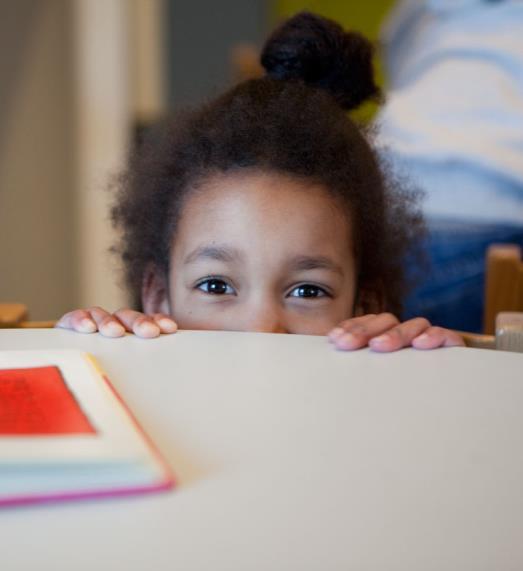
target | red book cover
x=37, y=401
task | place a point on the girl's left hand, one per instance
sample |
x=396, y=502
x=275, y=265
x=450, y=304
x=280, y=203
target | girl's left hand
x=385, y=333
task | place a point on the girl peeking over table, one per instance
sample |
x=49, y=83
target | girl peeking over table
x=267, y=210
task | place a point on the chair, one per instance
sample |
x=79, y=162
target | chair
x=245, y=62
x=508, y=334
x=503, y=319
x=16, y=314
x=504, y=283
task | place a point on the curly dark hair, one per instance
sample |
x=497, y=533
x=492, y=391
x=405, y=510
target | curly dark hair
x=292, y=121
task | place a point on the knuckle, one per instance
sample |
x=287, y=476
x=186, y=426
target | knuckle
x=396, y=332
x=352, y=327
x=96, y=310
x=423, y=322
x=121, y=315
x=452, y=336
x=107, y=320
x=77, y=313
x=160, y=316
x=142, y=318
x=125, y=311
x=356, y=329
x=436, y=330
x=76, y=316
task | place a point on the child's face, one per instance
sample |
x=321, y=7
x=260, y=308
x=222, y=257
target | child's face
x=259, y=252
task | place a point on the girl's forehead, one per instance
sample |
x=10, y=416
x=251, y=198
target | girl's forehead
x=260, y=210
x=265, y=193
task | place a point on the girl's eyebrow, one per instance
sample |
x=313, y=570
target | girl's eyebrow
x=302, y=263
x=219, y=253
x=229, y=254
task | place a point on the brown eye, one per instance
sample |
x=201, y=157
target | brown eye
x=308, y=290
x=215, y=286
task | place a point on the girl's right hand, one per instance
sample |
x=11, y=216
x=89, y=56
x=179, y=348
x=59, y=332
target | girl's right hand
x=118, y=323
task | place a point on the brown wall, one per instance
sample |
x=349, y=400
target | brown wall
x=36, y=162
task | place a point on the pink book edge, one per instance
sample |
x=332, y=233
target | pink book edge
x=85, y=494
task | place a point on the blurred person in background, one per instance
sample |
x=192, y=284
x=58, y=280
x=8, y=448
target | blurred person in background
x=453, y=123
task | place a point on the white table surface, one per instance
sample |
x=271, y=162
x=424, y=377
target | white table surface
x=290, y=455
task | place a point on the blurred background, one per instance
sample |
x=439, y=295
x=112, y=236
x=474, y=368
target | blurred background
x=79, y=80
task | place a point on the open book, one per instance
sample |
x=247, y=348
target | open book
x=65, y=433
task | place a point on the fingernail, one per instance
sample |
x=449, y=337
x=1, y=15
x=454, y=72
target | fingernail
x=379, y=340
x=148, y=329
x=422, y=337
x=346, y=341
x=87, y=326
x=336, y=333
x=167, y=324
x=112, y=329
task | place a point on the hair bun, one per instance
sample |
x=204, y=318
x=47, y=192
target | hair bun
x=322, y=54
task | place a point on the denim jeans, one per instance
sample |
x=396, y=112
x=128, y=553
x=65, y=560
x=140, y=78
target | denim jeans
x=451, y=293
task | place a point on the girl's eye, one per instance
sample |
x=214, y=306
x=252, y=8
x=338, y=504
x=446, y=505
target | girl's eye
x=215, y=286
x=308, y=290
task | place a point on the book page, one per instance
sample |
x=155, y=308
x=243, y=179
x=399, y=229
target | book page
x=56, y=407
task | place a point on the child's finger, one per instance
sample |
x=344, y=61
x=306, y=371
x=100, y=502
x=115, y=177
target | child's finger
x=165, y=323
x=399, y=336
x=138, y=323
x=78, y=320
x=357, y=332
x=334, y=334
x=435, y=337
x=341, y=327
x=108, y=325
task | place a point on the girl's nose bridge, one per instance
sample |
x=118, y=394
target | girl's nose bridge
x=267, y=316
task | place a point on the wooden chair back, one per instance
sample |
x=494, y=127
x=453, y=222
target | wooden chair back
x=508, y=335
x=503, y=284
x=245, y=62
x=16, y=314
